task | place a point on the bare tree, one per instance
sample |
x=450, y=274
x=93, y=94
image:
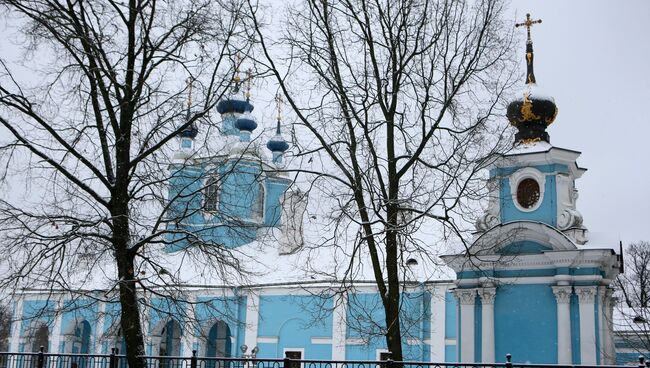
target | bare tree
x=92, y=129
x=5, y=327
x=633, y=324
x=394, y=104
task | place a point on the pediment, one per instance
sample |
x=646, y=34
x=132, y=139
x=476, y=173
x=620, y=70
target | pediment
x=521, y=237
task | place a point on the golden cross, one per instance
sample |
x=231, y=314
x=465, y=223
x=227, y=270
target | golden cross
x=528, y=23
x=189, y=93
x=249, y=78
x=237, y=62
x=278, y=101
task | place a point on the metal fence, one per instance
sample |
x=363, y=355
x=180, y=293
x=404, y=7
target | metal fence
x=115, y=360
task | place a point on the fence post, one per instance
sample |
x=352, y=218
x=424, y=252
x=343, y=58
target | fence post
x=641, y=361
x=389, y=360
x=508, y=360
x=193, y=360
x=41, y=358
x=112, y=360
x=287, y=362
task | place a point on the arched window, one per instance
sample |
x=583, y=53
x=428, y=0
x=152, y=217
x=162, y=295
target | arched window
x=211, y=195
x=218, y=341
x=38, y=335
x=258, y=205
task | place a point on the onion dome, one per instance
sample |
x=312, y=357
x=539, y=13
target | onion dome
x=533, y=111
x=246, y=123
x=190, y=132
x=277, y=144
x=234, y=105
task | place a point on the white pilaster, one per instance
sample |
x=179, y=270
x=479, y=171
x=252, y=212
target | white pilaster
x=16, y=325
x=252, y=319
x=57, y=330
x=487, y=327
x=99, y=328
x=438, y=314
x=563, y=298
x=586, y=298
x=187, y=333
x=467, y=299
x=339, y=321
x=608, y=336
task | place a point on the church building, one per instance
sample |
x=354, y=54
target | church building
x=531, y=284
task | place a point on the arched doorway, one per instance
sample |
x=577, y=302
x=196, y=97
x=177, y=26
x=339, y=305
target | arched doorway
x=219, y=342
x=38, y=334
x=168, y=342
x=77, y=337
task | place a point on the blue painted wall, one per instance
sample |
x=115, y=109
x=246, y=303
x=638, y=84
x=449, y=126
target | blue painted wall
x=294, y=320
x=366, y=321
x=240, y=184
x=525, y=319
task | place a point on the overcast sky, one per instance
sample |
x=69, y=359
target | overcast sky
x=593, y=57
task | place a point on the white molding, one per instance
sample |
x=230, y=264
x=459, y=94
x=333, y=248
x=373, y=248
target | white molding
x=321, y=341
x=450, y=341
x=527, y=173
x=267, y=340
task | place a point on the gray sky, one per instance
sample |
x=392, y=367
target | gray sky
x=593, y=57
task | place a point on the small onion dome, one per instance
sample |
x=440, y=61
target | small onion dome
x=232, y=105
x=189, y=132
x=277, y=143
x=246, y=123
x=531, y=114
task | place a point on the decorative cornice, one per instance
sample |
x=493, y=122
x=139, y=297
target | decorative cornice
x=562, y=294
x=487, y=295
x=465, y=296
x=586, y=294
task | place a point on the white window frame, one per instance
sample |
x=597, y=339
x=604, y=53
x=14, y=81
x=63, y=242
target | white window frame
x=519, y=176
x=378, y=353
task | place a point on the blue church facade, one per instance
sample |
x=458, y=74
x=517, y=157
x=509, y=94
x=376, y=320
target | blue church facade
x=530, y=285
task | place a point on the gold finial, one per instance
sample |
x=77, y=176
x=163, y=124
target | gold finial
x=249, y=79
x=528, y=23
x=236, y=78
x=189, y=92
x=278, y=102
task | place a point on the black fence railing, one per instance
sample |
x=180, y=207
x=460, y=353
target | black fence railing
x=115, y=360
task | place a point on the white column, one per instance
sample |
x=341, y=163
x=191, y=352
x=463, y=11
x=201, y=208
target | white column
x=608, y=336
x=563, y=298
x=252, y=320
x=438, y=313
x=16, y=325
x=466, y=298
x=339, y=321
x=487, y=327
x=586, y=297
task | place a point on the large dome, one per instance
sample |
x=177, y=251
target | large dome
x=531, y=113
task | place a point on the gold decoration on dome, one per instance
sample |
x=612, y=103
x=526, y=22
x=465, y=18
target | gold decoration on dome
x=526, y=110
x=528, y=23
x=530, y=140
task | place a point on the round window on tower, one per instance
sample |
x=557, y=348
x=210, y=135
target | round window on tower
x=528, y=193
